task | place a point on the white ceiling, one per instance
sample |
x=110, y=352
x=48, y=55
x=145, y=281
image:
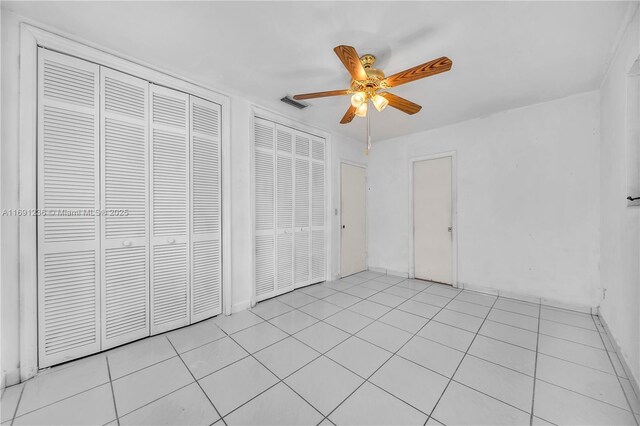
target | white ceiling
x=505, y=54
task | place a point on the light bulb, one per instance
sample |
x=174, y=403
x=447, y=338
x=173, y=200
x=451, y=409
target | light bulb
x=361, y=111
x=380, y=102
x=358, y=99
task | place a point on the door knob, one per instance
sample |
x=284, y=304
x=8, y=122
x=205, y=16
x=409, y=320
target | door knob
x=171, y=240
x=344, y=226
x=126, y=243
x=450, y=229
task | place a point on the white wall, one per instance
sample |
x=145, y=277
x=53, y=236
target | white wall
x=241, y=244
x=620, y=227
x=527, y=199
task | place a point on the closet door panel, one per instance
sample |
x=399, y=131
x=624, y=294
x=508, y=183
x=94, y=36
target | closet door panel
x=302, y=210
x=318, y=245
x=68, y=197
x=124, y=180
x=206, y=282
x=264, y=198
x=169, y=204
x=284, y=209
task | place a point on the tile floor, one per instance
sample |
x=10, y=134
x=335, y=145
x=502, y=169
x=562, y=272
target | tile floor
x=368, y=349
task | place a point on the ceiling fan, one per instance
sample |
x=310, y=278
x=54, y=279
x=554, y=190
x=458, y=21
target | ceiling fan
x=367, y=82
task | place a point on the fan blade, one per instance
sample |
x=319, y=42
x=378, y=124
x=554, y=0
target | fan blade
x=401, y=103
x=348, y=116
x=421, y=71
x=351, y=61
x=321, y=94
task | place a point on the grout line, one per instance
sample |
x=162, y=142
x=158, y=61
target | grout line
x=15, y=411
x=535, y=367
x=197, y=382
x=113, y=394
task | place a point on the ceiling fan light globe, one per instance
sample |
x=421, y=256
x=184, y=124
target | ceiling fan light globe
x=361, y=111
x=358, y=99
x=380, y=102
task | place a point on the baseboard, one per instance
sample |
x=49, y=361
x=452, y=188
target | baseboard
x=9, y=378
x=241, y=306
x=623, y=360
x=378, y=270
x=385, y=271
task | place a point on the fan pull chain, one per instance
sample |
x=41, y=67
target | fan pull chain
x=368, y=137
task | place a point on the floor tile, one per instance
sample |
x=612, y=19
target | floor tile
x=522, y=308
x=236, y=384
x=469, y=308
x=537, y=421
x=586, y=381
x=359, y=356
x=343, y=300
x=370, y=405
x=447, y=335
x=419, y=308
x=442, y=290
x=213, y=356
x=514, y=335
x=576, y=352
x=140, y=388
x=186, y=406
x=433, y=422
x=401, y=291
x=461, y=405
x=376, y=285
x=404, y=320
x=195, y=335
x=562, y=406
x=9, y=401
x=413, y=384
x=59, y=383
x=338, y=285
x=569, y=332
x=270, y=308
x=349, y=321
x=94, y=406
x=477, y=298
x=389, y=279
x=286, y=356
x=370, y=309
x=434, y=356
x=516, y=320
x=321, y=336
x=293, y=321
x=418, y=285
x=320, y=309
x=505, y=354
x=238, y=321
x=278, y=406
x=387, y=299
x=460, y=320
x=324, y=384
x=385, y=336
x=499, y=382
x=296, y=299
x=258, y=337
x=360, y=291
x=354, y=279
x=634, y=401
x=317, y=290
x=137, y=355
x=431, y=299
x=576, y=319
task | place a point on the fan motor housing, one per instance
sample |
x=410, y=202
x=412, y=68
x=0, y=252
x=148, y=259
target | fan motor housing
x=374, y=79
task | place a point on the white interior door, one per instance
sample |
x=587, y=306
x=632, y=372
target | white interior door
x=432, y=227
x=284, y=209
x=302, y=231
x=353, y=251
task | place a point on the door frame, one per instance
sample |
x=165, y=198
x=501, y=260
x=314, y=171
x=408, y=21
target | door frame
x=32, y=37
x=454, y=213
x=366, y=212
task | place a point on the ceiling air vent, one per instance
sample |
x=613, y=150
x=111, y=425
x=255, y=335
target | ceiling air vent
x=290, y=101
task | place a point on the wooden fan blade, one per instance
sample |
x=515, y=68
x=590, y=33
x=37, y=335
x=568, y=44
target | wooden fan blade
x=321, y=94
x=351, y=61
x=348, y=116
x=401, y=103
x=421, y=71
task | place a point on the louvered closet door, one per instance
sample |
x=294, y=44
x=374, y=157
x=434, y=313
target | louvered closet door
x=302, y=217
x=169, y=127
x=124, y=171
x=264, y=197
x=206, y=266
x=284, y=209
x=318, y=246
x=68, y=190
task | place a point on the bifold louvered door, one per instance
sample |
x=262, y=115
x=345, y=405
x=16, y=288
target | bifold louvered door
x=68, y=196
x=289, y=209
x=206, y=257
x=169, y=127
x=125, y=244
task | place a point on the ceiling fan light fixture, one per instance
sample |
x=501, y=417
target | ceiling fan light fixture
x=361, y=111
x=358, y=99
x=380, y=102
